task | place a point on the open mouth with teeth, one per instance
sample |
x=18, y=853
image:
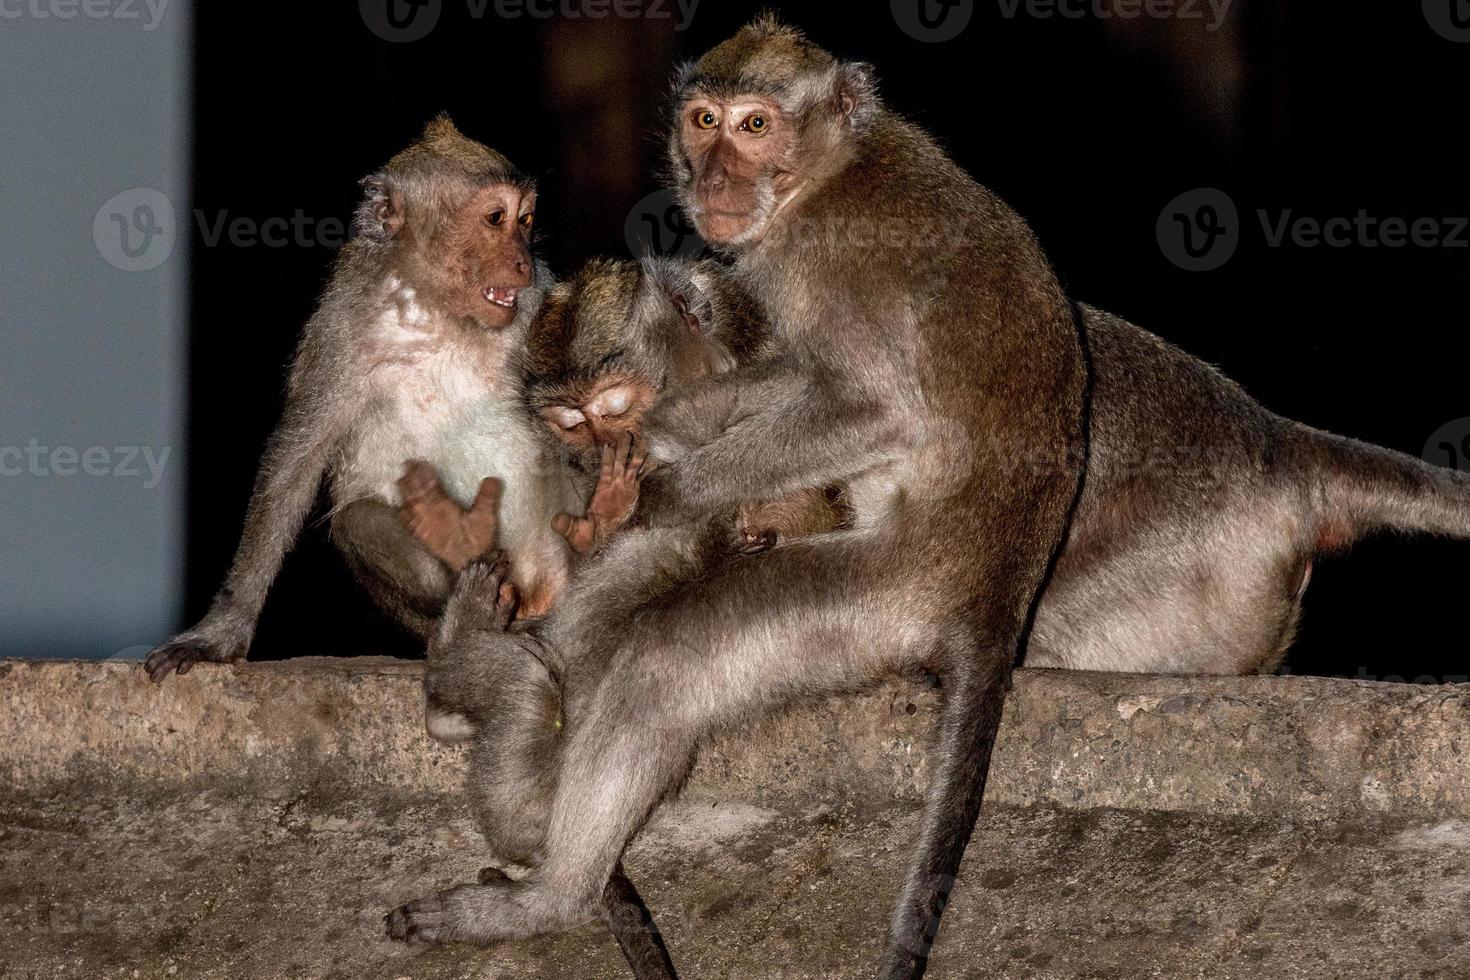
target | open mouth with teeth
x=501, y=296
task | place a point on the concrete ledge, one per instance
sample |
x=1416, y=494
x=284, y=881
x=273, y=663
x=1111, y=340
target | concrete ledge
x=1258, y=746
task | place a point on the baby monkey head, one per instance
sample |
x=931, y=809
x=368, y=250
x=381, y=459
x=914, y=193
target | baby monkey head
x=606, y=343
x=760, y=120
x=454, y=219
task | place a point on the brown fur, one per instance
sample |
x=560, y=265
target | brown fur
x=897, y=372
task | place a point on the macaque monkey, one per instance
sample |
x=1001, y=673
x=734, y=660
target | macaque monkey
x=1203, y=513
x=408, y=357
x=925, y=358
x=610, y=341
x=604, y=347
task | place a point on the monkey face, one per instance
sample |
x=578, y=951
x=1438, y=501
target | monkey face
x=736, y=153
x=486, y=250
x=607, y=343
x=599, y=412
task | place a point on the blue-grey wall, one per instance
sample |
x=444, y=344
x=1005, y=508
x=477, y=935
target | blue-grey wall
x=94, y=103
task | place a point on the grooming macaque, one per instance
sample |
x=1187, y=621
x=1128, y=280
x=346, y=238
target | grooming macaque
x=408, y=357
x=917, y=368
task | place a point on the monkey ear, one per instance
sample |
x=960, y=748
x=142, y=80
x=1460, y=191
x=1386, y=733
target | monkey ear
x=855, y=93
x=380, y=216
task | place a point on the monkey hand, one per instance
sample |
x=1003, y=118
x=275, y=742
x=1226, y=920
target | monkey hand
x=216, y=640
x=613, y=500
x=453, y=534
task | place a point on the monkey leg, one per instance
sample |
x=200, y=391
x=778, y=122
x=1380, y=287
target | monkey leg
x=627, y=917
x=974, y=693
x=404, y=580
x=835, y=614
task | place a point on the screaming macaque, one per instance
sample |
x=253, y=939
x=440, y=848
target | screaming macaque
x=408, y=357
x=924, y=351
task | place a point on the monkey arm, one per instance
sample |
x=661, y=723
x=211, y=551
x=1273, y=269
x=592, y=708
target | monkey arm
x=319, y=405
x=770, y=429
x=291, y=472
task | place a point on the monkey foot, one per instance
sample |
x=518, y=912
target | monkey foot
x=482, y=593
x=417, y=922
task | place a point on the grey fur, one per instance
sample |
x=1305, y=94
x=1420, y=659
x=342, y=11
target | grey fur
x=384, y=331
x=894, y=377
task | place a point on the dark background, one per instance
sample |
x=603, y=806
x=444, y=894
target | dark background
x=1088, y=127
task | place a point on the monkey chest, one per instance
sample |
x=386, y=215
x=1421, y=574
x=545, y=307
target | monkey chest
x=444, y=411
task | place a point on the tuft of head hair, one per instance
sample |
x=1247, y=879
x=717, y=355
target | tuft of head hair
x=441, y=164
x=770, y=57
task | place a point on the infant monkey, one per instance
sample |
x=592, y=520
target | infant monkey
x=609, y=342
x=602, y=349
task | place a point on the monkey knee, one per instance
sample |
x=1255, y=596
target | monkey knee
x=449, y=727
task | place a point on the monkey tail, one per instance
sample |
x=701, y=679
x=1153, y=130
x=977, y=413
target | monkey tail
x=1362, y=488
x=628, y=919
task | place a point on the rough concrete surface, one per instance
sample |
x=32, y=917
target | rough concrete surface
x=257, y=821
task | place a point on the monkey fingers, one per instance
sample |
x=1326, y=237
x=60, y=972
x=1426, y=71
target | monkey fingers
x=454, y=535
x=422, y=921
x=482, y=597
x=182, y=654
x=481, y=523
x=613, y=500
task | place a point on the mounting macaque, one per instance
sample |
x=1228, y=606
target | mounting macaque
x=408, y=357
x=918, y=367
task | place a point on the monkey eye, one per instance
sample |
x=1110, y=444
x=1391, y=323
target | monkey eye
x=528, y=219
x=757, y=124
x=494, y=218
x=706, y=119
